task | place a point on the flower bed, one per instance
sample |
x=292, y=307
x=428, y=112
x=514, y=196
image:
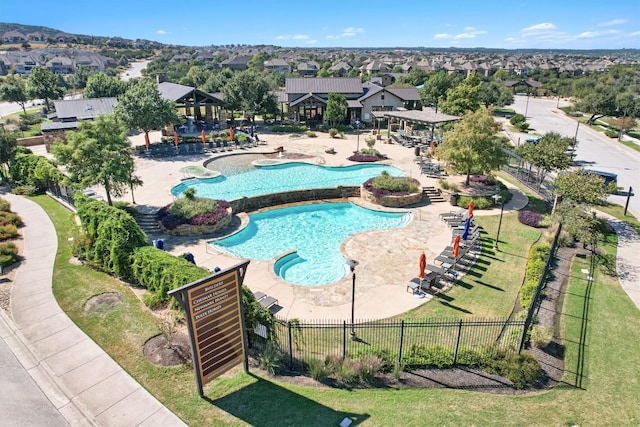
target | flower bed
x=205, y=223
x=390, y=198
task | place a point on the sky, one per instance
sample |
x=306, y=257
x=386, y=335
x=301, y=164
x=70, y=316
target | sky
x=542, y=24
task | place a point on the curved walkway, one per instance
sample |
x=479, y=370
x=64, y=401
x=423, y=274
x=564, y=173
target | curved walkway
x=79, y=379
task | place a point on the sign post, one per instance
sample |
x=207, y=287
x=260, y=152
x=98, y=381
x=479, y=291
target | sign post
x=214, y=312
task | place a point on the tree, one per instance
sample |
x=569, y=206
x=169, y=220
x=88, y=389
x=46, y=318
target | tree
x=436, y=87
x=99, y=153
x=43, y=84
x=548, y=154
x=627, y=103
x=624, y=123
x=250, y=92
x=141, y=107
x=599, y=102
x=78, y=80
x=13, y=90
x=463, y=98
x=577, y=220
x=472, y=146
x=581, y=187
x=336, y=110
x=100, y=85
x=494, y=93
x=8, y=146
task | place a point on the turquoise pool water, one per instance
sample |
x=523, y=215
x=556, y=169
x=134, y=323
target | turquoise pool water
x=315, y=231
x=253, y=181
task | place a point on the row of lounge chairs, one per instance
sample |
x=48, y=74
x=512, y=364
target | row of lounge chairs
x=265, y=300
x=190, y=148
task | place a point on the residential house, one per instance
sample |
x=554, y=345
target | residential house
x=23, y=62
x=14, y=37
x=60, y=65
x=374, y=67
x=203, y=56
x=307, y=97
x=38, y=36
x=277, y=65
x=65, y=38
x=181, y=57
x=340, y=69
x=308, y=69
x=237, y=63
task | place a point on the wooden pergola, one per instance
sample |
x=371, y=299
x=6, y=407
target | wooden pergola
x=408, y=118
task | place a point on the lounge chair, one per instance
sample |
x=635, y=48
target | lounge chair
x=446, y=261
x=453, y=214
x=211, y=147
x=226, y=146
x=265, y=300
x=460, y=230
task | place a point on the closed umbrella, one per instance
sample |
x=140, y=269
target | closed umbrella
x=175, y=138
x=433, y=148
x=146, y=140
x=456, y=246
x=251, y=131
x=203, y=136
x=467, y=225
x=471, y=204
x=423, y=265
x=231, y=134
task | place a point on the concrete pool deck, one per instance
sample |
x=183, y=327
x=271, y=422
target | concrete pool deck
x=388, y=259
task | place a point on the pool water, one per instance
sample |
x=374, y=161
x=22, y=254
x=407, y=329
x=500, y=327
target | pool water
x=247, y=181
x=315, y=231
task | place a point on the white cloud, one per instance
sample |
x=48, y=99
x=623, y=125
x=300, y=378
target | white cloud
x=161, y=32
x=442, y=36
x=612, y=22
x=465, y=36
x=545, y=26
x=351, y=31
x=469, y=28
x=300, y=37
x=333, y=37
x=592, y=34
x=311, y=42
x=283, y=37
x=634, y=34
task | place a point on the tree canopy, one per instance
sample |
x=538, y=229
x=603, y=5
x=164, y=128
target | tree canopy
x=100, y=85
x=472, y=145
x=141, y=107
x=435, y=88
x=581, y=186
x=336, y=110
x=43, y=84
x=99, y=153
x=250, y=92
x=549, y=154
x=494, y=93
x=599, y=101
x=463, y=98
x=13, y=89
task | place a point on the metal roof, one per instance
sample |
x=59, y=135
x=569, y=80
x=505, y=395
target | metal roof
x=173, y=91
x=323, y=85
x=405, y=93
x=427, y=115
x=84, y=108
x=52, y=126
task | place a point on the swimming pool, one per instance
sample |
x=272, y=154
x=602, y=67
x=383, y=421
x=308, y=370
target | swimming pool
x=253, y=181
x=315, y=231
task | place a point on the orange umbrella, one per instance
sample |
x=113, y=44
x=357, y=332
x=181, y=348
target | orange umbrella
x=203, y=136
x=146, y=140
x=456, y=246
x=471, y=204
x=231, y=134
x=423, y=265
x=433, y=148
x=175, y=138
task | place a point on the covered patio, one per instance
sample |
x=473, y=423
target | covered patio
x=406, y=121
x=193, y=100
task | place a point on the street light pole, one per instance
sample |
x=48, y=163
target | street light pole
x=358, y=134
x=352, y=266
x=498, y=198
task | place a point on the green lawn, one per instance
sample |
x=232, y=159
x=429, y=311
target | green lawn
x=610, y=393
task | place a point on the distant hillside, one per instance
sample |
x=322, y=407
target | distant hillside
x=26, y=29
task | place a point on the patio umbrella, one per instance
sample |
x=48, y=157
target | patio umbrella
x=433, y=148
x=175, y=138
x=203, y=136
x=456, y=246
x=471, y=204
x=423, y=265
x=146, y=140
x=465, y=233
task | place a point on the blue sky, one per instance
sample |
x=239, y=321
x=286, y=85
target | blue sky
x=559, y=24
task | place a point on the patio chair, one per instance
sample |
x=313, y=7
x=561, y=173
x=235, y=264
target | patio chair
x=453, y=214
x=219, y=145
x=182, y=149
x=211, y=147
x=226, y=146
x=191, y=148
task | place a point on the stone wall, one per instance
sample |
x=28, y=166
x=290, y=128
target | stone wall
x=248, y=204
x=194, y=230
x=391, y=201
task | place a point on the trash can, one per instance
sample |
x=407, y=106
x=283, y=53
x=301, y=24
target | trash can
x=417, y=151
x=454, y=199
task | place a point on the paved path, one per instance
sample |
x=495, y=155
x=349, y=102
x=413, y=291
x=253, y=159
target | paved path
x=80, y=380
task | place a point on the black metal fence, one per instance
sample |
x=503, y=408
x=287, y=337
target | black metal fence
x=404, y=342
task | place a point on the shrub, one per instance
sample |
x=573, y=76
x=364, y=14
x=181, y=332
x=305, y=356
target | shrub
x=26, y=190
x=10, y=218
x=333, y=132
x=363, y=158
x=385, y=184
x=345, y=373
x=521, y=369
x=270, y=359
x=8, y=254
x=367, y=367
x=517, y=118
x=189, y=207
x=5, y=206
x=317, y=370
x=311, y=134
x=8, y=231
x=481, y=179
x=385, y=355
x=523, y=126
x=541, y=336
x=530, y=218
x=288, y=129
x=447, y=186
x=533, y=272
x=611, y=133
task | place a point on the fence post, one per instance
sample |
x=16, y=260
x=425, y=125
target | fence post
x=290, y=345
x=455, y=354
x=401, y=342
x=344, y=339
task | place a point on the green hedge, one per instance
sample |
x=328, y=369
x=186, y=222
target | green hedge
x=535, y=266
x=289, y=129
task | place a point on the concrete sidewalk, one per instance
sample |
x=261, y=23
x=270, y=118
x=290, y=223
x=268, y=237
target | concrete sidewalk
x=79, y=379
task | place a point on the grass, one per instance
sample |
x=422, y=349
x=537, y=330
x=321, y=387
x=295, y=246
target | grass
x=610, y=393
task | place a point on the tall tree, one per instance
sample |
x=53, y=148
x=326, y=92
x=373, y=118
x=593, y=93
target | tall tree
x=141, y=107
x=494, y=93
x=581, y=187
x=599, y=102
x=463, y=98
x=43, y=84
x=251, y=93
x=13, y=89
x=435, y=88
x=100, y=85
x=8, y=146
x=99, y=153
x=472, y=145
x=336, y=110
x=548, y=155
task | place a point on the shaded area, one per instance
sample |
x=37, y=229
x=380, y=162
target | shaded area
x=264, y=403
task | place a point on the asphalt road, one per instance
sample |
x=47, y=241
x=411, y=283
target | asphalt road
x=595, y=150
x=134, y=70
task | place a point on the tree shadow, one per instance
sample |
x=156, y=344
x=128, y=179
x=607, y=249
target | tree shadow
x=446, y=304
x=497, y=288
x=264, y=403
